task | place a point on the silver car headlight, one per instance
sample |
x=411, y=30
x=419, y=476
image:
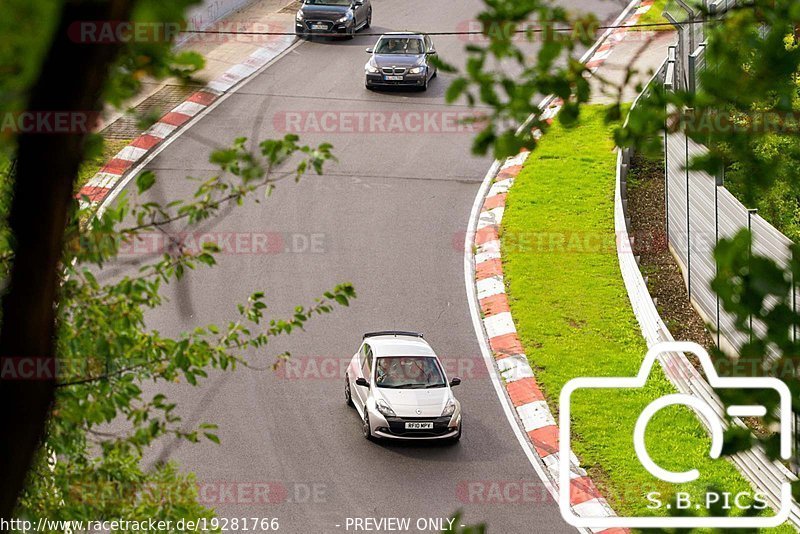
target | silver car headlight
x=369, y=67
x=348, y=16
x=417, y=70
x=299, y=16
x=384, y=408
x=449, y=408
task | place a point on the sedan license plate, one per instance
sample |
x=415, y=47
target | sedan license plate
x=393, y=78
x=319, y=26
x=419, y=425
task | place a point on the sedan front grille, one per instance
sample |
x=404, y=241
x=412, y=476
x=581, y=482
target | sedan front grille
x=393, y=70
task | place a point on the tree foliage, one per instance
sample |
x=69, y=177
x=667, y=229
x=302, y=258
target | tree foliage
x=88, y=464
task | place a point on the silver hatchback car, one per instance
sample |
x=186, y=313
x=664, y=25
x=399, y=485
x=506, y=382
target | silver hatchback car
x=398, y=385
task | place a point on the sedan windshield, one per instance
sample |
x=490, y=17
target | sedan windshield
x=400, y=45
x=328, y=2
x=408, y=372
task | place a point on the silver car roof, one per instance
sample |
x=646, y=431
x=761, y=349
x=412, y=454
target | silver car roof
x=400, y=346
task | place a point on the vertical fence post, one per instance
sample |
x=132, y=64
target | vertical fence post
x=794, y=309
x=666, y=180
x=719, y=182
x=688, y=220
x=750, y=213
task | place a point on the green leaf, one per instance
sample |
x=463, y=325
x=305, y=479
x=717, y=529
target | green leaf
x=145, y=181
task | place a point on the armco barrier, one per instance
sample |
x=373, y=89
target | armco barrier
x=760, y=471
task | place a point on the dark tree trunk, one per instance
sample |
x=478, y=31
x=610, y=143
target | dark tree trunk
x=71, y=80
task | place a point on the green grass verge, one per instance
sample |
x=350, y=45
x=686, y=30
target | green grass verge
x=574, y=319
x=90, y=167
x=654, y=16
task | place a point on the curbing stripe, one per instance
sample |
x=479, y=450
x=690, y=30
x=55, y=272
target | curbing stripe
x=95, y=194
x=500, y=187
x=146, y=141
x=535, y=415
x=190, y=108
x=102, y=183
x=523, y=391
x=496, y=201
x=131, y=153
x=494, y=304
x=489, y=268
x=545, y=440
x=498, y=325
x=490, y=217
x=174, y=118
x=490, y=286
x=102, y=180
x=486, y=234
x=161, y=130
x=506, y=345
x=116, y=166
x=487, y=254
x=582, y=489
x=487, y=251
x=514, y=368
x=203, y=97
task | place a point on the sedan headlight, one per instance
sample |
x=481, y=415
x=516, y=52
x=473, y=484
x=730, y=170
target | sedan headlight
x=347, y=16
x=417, y=70
x=449, y=408
x=384, y=408
x=299, y=16
x=369, y=67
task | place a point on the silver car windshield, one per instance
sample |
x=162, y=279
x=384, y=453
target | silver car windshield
x=400, y=45
x=408, y=372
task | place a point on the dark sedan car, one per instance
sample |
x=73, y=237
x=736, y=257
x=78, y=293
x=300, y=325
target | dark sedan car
x=333, y=17
x=401, y=59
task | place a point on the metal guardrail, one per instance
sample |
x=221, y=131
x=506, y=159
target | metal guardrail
x=765, y=474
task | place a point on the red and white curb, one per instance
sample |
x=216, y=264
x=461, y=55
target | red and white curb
x=518, y=378
x=532, y=412
x=100, y=185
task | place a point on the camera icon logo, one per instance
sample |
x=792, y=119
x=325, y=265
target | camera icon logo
x=714, y=422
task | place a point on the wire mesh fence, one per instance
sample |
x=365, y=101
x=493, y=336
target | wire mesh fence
x=700, y=212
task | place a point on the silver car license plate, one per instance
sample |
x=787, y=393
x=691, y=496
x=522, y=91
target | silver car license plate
x=393, y=78
x=319, y=26
x=419, y=425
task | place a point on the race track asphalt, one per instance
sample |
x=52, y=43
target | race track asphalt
x=389, y=217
